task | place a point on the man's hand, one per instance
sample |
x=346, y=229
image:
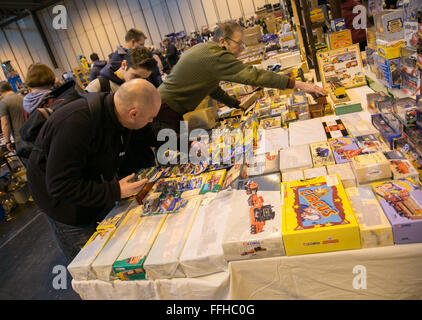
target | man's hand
x=310, y=88
x=128, y=189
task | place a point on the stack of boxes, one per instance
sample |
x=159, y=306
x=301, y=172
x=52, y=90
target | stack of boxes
x=252, y=35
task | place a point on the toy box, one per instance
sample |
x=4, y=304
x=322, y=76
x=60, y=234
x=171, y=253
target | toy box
x=294, y=158
x=314, y=172
x=405, y=109
x=387, y=132
x=345, y=172
x=358, y=125
x=115, y=216
x=389, y=24
x=203, y=253
x=403, y=169
x=162, y=261
x=264, y=164
x=375, y=229
x=253, y=228
x=340, y=147
x=270, y=123
x=232, y=175
x=401, y=201
x=371, y=167
x=338, y=24
x=103, y=264
x=306, y=132
x=130, y=263
x=214, y=181
x=292, y=176
x=299, y=104
x=317, y=217
x=394, y=155
x=321, y=154
x=389, y=71
x=80, y=267
x=340, y=39
x=389, y=49
x=368, y=143
x=334, y=129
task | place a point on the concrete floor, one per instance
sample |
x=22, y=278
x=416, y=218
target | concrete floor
x=28, y=254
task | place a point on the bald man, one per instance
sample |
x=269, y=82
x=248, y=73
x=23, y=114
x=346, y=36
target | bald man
x=72, y=170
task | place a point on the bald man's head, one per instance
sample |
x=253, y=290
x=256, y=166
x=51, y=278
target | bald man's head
x=137, y=103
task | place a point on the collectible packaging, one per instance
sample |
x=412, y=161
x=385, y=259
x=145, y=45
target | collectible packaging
x=314, y=172
x=345, y=172
x=214, y=181
x=232, y=176
x=321, y=154
x=389, y=24
x=357, y=125
x=80, y=267
x=401, y=201
x=394, y=155
x=389, y=71
x=130, y=263
x=338, y=24
x=294, y=158
x=299, y=104
x=335, y=129
x=389, y=49
x=368, y=143
x=115, y=216
x=253, y=229
x=162, y=261
x=292, y=176
x=317, y=217
x=306, y=132
x=340, y=147
x=203, y=253
x=103, y=264
x=406, y=111
x=375, y=229
x=264, y=164
x=403, y=169
x=371, y=167
x=339, y=39
x=271, y=123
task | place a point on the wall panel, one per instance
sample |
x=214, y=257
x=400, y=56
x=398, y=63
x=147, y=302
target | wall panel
x=175, y=15
x=223, y=10
x=186, y=15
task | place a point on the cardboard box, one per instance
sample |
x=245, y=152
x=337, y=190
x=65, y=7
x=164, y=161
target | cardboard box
x=253, y=229
x=371, y=167
x=389, y=24
x=80, y=267
x=345, y=172
x=375, y=229
x=389, y=49
x=130, y=263
x=292, y=176
x=368, y=142
x=321, y=154
x=314, y=172
x=115, y=216
x=294, y=158
x=335, y=129
x=317, y=217
x=162, y=261
x=401, y=201
x=203, y=253
x=389, y=72
x=103, y=264
x=203, y=118
x=357, y=125
x=340, y=39
x=340, y=146
x=403, y=169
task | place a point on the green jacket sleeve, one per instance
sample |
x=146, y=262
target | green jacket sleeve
x=221, y=96
x=228, y=68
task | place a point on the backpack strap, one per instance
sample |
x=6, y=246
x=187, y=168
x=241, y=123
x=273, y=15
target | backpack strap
x=104, y=84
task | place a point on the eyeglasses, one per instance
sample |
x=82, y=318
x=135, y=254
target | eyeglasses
x=240, y=44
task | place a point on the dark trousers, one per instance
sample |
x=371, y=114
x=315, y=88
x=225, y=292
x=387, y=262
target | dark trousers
x=71, y=239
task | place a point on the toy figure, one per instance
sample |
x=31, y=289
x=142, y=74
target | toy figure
x=259, y=213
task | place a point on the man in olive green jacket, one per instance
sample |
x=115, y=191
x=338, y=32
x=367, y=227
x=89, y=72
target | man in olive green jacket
x=202, y=67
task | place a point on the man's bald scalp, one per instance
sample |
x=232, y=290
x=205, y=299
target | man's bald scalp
x=137, y=93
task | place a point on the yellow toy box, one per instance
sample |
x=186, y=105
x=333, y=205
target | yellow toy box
x=389, y=49
x=317, y=217
x=371, y=167
x=340, y=39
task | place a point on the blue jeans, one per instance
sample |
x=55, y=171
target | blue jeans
x=71, y=239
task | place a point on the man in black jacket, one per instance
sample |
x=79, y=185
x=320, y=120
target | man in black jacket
x=97, y=65
x=171, y=53
x=72, y=170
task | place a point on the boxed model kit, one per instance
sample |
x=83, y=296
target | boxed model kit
x=401, y=201
x=371, y=167
x=321, y=154
x=253, y=229
x=340, y=148
x=375, y=229
x=317, y=217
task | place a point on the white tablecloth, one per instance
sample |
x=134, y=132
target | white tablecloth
x=391, y=273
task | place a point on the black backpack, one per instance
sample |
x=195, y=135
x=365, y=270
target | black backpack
x=63, y=95
x=105, y=84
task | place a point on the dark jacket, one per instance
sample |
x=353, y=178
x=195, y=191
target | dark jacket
x=96, y=68
x=115, y=63
x=172, y=54
x=358, y=35
x=72, y=177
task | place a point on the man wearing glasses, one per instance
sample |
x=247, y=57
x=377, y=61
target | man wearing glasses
x=201, y=68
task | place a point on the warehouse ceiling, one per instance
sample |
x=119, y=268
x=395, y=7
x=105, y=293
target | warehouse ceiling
x=13, y=10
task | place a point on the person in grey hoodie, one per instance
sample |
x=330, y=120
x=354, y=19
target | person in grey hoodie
x=41, y=79
x=96, y=67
